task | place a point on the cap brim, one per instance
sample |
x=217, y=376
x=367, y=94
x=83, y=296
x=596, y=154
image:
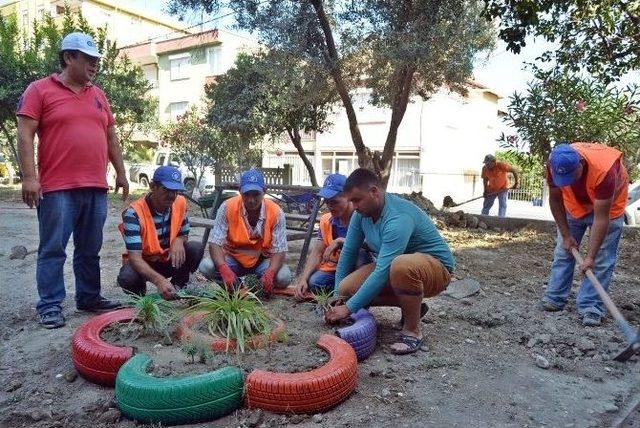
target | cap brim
x=327, y=193
x=562, y=180
x=249, y=187
x=172, y=185
x=94, y=54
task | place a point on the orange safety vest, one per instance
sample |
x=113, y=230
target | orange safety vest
x=327, y=238
x=151, y=249
x=240, y=245
x=600, y=159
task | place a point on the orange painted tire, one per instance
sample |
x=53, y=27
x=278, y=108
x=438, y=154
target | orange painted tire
x=291, y=292
x=219, y=344
x=96, y=360
x=307, y=392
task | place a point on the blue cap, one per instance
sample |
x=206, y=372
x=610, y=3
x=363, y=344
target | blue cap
x=564, y=161
x=251, y=180
x=169, y=177
x=333, y=185
x=80, y=42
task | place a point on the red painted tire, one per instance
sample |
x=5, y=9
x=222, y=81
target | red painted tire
x=308, y=392
x=219, y=344
x=96, y=360
x=291, y=292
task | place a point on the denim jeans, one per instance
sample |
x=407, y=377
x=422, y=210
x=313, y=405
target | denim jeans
x=563, y=266
x=320, y=280
x=207, y=268
x=502, y=203
x=61, y=213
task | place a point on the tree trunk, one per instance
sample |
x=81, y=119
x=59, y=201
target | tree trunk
x=333, y=64
x=402, y=80
x=294, y=135
x=12, y=146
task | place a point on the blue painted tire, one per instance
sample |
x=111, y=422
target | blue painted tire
x=361, y=335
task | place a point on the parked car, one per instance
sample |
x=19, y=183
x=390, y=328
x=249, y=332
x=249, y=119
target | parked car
x=632, y=211
x=142, y=173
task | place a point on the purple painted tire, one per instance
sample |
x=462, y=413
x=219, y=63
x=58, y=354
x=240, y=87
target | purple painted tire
x=361, y=335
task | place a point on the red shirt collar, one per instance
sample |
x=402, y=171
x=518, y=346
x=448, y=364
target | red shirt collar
x=56, y=78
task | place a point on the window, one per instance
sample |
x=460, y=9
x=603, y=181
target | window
x=179, y=66
x=178, y=109
x=59, y=10
x=174, y=160
x=160, y=159
x=151, y=74
x=40, y=12
x=214, y=58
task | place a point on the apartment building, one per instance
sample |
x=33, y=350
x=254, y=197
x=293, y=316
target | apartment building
x=439, y=150
x=180, y=68
x=125, y=24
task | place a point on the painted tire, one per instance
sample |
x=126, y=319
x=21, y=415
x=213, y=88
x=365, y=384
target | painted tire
x=290, y=292
x=219, y=344
x=176, y=400
x=96, y=360
x=361, y=335
x=308, y=392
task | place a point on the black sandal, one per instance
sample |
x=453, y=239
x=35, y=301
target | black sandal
x=413, y=344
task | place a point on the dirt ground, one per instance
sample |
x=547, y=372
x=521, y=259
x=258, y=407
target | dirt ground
x=480, y=368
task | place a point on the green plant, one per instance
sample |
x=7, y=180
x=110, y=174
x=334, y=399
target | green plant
x=195, y=348
x=153, y=312
x=190, y=349
x=237, y=315
x=253, y=284
x=323, y=298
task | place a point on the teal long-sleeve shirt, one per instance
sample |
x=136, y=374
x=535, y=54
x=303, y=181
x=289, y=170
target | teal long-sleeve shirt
x=403, y=228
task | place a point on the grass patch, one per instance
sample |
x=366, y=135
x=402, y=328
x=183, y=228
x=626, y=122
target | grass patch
x=432, y=363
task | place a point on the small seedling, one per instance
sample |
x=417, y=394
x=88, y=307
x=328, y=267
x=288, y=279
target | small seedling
x=191, y=350
x=154, y=313
x=323, y=299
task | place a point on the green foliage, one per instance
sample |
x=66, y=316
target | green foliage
x=601, y=37
x=388, y=50
x=24, y=62
x=270, y=94
x=238, y=315
x=201, y=145
x=323, y=299
x=153, y=312
x=191, y=349
x=564, y=108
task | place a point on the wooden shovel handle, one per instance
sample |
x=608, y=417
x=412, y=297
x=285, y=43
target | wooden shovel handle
x=601, y=291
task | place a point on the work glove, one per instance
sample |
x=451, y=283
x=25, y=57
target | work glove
x=228, y=276
x=268, y=280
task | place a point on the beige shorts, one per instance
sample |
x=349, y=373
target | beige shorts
x=410, y=274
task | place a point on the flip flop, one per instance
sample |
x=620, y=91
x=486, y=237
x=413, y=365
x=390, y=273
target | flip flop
x=413, y=344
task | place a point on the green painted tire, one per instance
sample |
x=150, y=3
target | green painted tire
x=177, y=400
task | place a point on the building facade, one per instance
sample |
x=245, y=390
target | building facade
x=179, y=69
x=439, y=149
x=125, y=25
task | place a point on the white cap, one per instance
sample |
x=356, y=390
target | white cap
x=80, y=42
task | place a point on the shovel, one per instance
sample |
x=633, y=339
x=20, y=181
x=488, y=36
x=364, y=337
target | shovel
x=448, y=202
x=633, y=337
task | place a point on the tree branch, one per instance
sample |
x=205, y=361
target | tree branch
x=364, y=154
x=294, y=135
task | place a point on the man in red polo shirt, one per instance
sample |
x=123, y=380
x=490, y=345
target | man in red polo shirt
x=77, y=137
